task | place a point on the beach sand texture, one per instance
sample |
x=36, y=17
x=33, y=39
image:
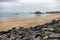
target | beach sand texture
x=4, y=26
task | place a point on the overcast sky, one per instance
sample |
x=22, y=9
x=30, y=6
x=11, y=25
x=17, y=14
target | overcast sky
x=29, y=5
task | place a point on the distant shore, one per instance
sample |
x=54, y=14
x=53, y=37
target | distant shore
x=29, y=22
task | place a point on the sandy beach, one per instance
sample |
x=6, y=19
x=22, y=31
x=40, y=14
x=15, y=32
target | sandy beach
x=27, y=22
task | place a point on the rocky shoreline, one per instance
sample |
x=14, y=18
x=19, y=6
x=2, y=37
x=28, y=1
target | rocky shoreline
x=47, y=31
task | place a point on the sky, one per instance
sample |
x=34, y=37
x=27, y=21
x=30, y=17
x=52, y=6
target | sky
x=29, y=5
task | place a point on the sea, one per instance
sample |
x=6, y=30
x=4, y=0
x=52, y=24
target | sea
x=9, y=16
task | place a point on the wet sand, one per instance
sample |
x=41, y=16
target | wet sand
x=30, y=22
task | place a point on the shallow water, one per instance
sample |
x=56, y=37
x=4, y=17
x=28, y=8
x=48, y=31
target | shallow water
x=14, y=16
x=21, y=15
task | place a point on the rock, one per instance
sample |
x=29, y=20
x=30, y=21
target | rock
x=37, y=12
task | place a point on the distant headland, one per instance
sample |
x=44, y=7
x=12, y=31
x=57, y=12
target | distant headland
x=38, y=12
x=53, y=12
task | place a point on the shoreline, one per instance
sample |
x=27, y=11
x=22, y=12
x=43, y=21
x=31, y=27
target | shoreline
x=7, y=19
x=30, y=22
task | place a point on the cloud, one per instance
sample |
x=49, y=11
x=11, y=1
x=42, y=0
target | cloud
x=7, y=0
x=29, y=5
x=35, y=1
x=27, y=2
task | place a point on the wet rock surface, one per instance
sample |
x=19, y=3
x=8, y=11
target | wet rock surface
x=47, y=31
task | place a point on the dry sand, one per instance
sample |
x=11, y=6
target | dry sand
x=27, y=22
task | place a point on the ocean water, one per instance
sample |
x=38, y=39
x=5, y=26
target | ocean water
x=6, y=16
x=21, y=15
x=17, y=15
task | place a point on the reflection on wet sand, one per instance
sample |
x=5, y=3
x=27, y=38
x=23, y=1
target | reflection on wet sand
x=37, y=15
